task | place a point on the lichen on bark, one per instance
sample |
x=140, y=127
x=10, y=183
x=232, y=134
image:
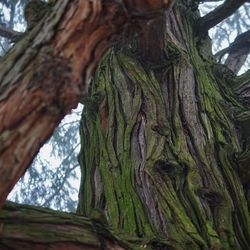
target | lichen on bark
x=157, y=150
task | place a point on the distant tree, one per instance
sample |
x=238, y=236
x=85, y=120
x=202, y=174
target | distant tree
x=164, y=132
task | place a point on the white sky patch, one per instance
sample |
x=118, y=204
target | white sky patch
x=53, y=161
x=6, y=12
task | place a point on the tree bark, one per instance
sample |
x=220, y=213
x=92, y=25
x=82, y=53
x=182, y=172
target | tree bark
x=163, y=155
x=160, y=142
x=26, y=227
x=45, y=74
x=10, y=34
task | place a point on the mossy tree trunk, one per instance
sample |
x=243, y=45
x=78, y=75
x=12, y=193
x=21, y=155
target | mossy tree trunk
x=161, y=142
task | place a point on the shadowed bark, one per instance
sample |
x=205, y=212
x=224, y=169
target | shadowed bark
x=11, y=34
x=237, y=52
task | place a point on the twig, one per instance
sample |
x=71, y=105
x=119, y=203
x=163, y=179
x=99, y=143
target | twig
x=8, y=33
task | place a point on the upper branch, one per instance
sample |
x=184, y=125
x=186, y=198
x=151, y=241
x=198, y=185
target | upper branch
x=8, y=33
x=217, y=15
x=238, y=52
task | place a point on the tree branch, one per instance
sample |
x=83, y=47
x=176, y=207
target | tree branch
x=8, y=33
x=218, y=14
x=238, y=52
x=44, y=76
x=28, y=227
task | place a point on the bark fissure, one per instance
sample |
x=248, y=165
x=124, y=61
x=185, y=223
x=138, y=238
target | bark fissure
x=180, y=140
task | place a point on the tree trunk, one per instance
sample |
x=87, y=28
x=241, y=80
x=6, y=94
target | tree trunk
x=43, y=77
x=159, y=142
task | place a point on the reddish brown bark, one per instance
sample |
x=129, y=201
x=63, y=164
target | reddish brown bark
x=43, y=77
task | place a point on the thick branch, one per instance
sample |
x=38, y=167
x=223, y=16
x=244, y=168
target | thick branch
x=8, y=33
x=48, y=71
x=238, y=52
x=216, y=16
x=27, y=227
x=242, y=40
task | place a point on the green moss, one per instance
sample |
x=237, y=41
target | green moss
x=140, y=200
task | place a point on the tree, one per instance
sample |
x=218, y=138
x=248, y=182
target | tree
x=164, y=133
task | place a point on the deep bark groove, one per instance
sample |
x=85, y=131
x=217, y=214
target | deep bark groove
x=171, y=166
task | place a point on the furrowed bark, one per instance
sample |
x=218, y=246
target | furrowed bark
x=10, y=34
x=158, y=145
x=26, y=227
x=45, y=74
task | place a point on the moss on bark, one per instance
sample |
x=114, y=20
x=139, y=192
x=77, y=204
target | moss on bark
x=157, y=150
